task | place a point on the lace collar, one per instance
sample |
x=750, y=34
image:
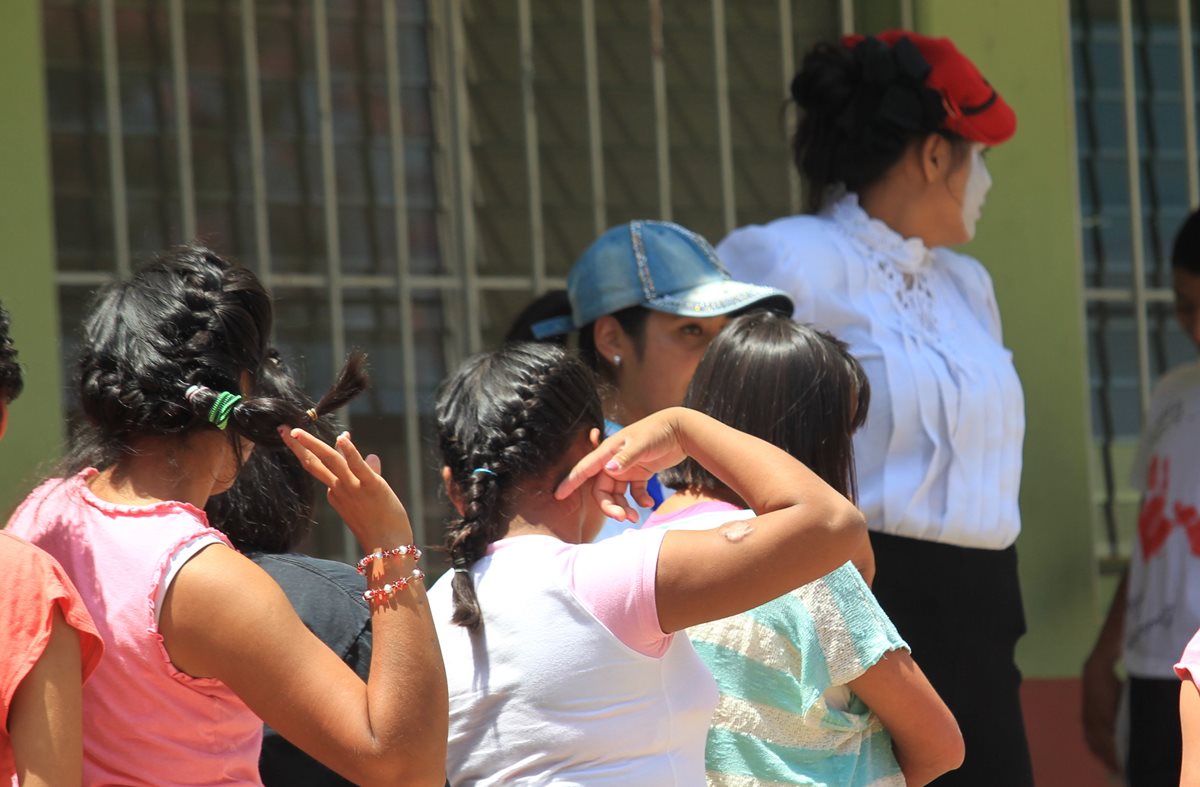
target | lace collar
x=909, y=255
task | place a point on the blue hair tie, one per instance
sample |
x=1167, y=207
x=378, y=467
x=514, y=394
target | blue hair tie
x=479, y=470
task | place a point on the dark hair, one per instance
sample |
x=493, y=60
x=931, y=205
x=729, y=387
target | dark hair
x=270, y=506
x=506, y=417
x=632, y=321
x=550, y=305
x=860, y=109
x=187, y=318
x=11, y=381
x=556, y=304
x=791, y=385
x=1185, y=252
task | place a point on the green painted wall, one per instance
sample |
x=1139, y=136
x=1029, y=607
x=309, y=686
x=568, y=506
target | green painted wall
x=1029, y=240
x=27, y=282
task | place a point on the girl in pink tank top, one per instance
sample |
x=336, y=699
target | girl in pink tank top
x=200, y=643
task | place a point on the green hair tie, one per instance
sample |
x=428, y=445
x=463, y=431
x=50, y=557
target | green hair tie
x=218, y=415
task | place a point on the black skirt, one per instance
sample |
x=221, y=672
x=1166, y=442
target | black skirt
x=960, y=611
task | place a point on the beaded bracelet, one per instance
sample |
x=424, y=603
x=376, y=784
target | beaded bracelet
x=380, y=554
x=392, y=588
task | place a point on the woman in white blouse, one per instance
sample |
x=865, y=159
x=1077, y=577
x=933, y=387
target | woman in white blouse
x=891, y=140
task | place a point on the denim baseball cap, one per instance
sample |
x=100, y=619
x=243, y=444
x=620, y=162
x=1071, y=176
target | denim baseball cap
x=664, y=267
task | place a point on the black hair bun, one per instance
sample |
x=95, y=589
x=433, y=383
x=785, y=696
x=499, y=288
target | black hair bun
x=872, y=91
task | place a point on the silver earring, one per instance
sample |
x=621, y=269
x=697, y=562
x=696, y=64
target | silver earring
x=617, y=361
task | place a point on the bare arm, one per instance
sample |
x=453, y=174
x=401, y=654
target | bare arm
x=804, y=528
x=1189, y=720
x=224, y=617
x=925, y=736
x=45, y=720
x=1101, y=686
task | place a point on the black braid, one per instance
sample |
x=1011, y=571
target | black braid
x=186, y=318
x=505, y=417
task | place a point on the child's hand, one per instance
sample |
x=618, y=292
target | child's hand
x=626, y=461
x=356, y=489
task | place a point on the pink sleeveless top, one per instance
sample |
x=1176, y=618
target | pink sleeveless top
x=144, y=722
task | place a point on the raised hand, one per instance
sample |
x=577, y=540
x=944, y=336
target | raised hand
x=356, y=489
x=625, y=462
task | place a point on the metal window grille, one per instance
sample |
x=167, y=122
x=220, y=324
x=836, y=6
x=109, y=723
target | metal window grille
x=403, y=174
x=1134, y=65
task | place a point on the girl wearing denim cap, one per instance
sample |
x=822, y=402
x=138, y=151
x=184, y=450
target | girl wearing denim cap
x=647, y=297
x=892, y=133
x=562, y=656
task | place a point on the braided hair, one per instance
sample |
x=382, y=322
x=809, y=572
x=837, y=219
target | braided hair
x=160, y=347
x=506, y=417
x=860, y=109
x=271, y=505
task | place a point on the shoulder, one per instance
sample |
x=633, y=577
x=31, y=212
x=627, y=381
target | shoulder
x=41, y=585
x=970, y=274
x=1180, y=381
x=326, y=594
x=781, y=250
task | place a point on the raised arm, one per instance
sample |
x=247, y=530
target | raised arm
x=804, y=528
x=45, y=718
x=226, y=618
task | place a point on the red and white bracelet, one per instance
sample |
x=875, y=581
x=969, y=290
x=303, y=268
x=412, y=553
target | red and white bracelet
x=390, y=589
x=380, y=554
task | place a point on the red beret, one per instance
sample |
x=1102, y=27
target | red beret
x=974, y=110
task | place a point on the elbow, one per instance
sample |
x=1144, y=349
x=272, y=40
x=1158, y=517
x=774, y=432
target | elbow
x=935, y=758
x=407, y=770
x=850, y=524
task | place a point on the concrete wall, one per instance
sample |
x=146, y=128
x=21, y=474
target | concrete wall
x=27, y=287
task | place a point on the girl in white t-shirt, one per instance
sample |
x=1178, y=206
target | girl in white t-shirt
x=560, y=654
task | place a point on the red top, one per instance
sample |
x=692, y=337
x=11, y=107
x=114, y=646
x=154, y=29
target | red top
x=34, y=583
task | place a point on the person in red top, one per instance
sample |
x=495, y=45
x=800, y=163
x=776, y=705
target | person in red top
x=50, y=645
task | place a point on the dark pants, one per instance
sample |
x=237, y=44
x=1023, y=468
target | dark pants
x=960, y=611
x=1155, y=743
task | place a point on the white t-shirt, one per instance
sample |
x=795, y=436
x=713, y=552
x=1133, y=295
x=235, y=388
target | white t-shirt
x=939, y=457
x=571, y=681
x=1163, y=609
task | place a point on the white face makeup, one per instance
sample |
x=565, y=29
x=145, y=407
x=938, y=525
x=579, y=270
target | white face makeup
x=979, y=180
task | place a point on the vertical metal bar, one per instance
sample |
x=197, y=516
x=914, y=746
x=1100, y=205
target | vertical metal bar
x=906, y=14
x=1188, y=86
x=414, y=501
x=183, y=120
x=460, y=131
x=116, y=135
x=533, y=164
x=846, y=16
x=333, y=250
x=258, y=173
x=787, y=57
x=662, y=137
x=595, y=145
x=1133, y=161
x=724, y=132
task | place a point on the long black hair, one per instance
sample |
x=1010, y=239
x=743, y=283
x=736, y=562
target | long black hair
x=270, y=506
x=505, y=417
x=860, y=109
x=187, y=318
x=791, y=385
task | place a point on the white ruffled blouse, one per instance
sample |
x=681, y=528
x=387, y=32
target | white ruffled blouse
x=939, y=457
